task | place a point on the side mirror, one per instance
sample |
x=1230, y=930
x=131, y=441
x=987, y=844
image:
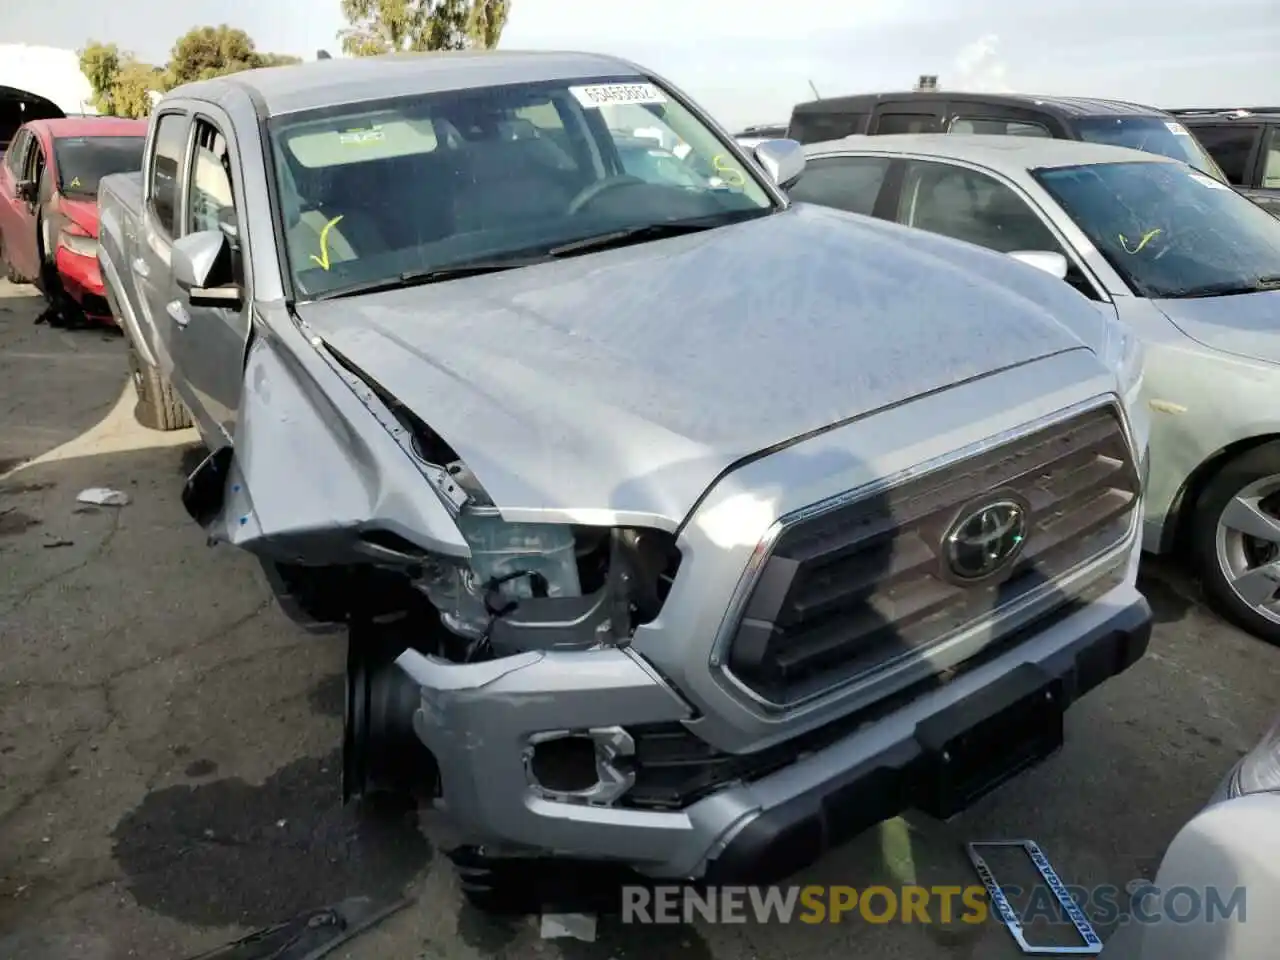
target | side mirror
x=783, y=160
x=26, y=190
x=202, y=268
x=1050, y=261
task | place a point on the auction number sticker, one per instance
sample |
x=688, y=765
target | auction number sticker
x=1178, y=130
x=359, y=137
x=617, y=94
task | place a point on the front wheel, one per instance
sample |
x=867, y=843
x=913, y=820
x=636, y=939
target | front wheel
x=1236, y=542
x=159, y=407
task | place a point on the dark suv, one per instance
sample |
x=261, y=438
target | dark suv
x=1022, y=115
x=1246, y=143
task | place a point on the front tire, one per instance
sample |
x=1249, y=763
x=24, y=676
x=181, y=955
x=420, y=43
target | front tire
x=1235, y=542
x=381, y=753
x=158, y=405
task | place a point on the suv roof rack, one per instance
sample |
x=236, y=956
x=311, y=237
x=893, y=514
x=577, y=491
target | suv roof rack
x=1233, y=113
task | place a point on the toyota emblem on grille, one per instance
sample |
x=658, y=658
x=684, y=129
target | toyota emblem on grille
x=985, y=540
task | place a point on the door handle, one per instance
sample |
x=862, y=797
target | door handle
x=140, y=267
x=179, y=313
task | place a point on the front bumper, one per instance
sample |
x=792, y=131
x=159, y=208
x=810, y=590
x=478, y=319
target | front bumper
x=81, y=278
x=479, y=721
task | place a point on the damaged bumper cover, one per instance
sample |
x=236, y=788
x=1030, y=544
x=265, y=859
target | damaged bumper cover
x=484, y=723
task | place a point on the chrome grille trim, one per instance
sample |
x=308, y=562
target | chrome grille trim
x=952, y=641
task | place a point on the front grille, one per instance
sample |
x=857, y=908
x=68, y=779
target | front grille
x=846, y=590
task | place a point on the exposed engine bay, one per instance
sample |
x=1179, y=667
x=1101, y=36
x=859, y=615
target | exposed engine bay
x=529, y=586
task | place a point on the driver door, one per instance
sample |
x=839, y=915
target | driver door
x=19, y=224
x=209, y=341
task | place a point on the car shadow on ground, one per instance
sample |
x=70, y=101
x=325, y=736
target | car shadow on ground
x=54, y=383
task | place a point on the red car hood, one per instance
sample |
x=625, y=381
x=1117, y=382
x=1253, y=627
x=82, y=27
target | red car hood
x=82, y=212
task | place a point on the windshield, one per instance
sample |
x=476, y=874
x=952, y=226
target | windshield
x=83, y=161
x=374, y=192
x=1152, y=135
x=1168, y=230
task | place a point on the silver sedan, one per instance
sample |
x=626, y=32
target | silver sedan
x=1191, y=266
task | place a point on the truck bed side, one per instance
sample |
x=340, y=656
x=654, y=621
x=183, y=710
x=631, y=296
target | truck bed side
x=119, y=212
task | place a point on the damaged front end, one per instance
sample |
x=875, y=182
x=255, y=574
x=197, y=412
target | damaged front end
x=390, y=536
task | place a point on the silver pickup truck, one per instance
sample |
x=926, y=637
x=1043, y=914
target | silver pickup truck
x=672, y=525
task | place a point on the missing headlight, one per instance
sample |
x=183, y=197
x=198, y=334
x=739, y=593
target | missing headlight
x=534, y=586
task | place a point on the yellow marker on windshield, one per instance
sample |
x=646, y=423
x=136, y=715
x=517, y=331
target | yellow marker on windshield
x=732, y=176
x=1146, y=238
x=323, y=259
x=74, y=183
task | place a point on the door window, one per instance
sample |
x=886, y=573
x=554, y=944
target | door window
x=211, y=198
x=1008, y=128
x=1271, y=164
x=166, y=164
x=968, y=205
x=820, y=127
x=1231, y=145
x=907, y=123
x=15, y=158
x=35, y=162
x=847, y=183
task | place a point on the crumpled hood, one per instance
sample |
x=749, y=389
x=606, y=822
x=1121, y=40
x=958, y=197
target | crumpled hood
x=630, y=379
x=1247, y=325
x=83, y=213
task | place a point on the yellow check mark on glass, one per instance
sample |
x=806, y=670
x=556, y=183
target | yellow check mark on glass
x=1146, y=238
x=323, y=260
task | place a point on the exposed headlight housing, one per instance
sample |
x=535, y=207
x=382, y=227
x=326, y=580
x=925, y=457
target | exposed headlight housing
x=1259, y=771
x=77, y=240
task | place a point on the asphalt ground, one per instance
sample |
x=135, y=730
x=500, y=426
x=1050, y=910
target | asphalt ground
x=169, y=775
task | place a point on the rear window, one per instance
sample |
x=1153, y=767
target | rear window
x=1154, y=134
x=83, y=161
x=383, y=137
x=820, y=127
x=1006, y=128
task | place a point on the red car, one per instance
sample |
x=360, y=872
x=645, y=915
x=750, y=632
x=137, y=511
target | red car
x=49, y=205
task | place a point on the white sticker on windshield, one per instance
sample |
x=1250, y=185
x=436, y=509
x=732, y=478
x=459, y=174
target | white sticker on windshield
x=1178, y=130
x=357, y=137
x=611, y=94
x=1209, y=182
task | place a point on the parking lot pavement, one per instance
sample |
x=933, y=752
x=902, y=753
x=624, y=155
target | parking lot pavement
x=168, y=767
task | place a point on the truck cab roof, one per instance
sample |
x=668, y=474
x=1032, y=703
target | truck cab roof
x=325, y=83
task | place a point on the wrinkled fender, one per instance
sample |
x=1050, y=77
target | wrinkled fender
x=312, y=473
x=113, y=233
x=122, y=310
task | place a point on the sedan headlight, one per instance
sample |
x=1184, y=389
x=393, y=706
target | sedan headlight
x=1124, y=353
x=1259, y=771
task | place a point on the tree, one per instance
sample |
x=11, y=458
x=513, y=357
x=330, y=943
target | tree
x=205, y=52
x=122, y=84
x=100, y=63
x=390, y=26
x=136, y=84
x=484, y=26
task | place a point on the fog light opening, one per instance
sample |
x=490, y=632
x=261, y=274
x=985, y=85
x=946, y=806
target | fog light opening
x=593, y=766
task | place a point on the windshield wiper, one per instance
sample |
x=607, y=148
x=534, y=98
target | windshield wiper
x=656, y=231
x=1234, y=288
x=623, y=238
x=416, y=278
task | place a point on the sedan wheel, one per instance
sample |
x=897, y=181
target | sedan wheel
x=1237, y=542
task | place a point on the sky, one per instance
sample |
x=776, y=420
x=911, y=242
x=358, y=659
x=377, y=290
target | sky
x=749, y=61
